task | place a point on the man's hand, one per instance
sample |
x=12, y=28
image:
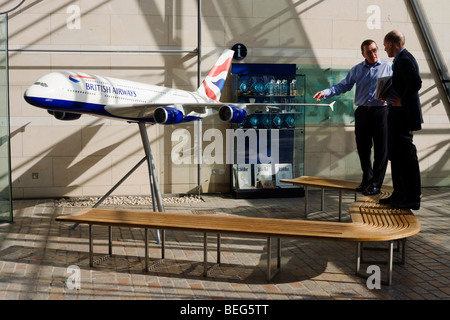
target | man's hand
x=319, y=95
x=396, y=101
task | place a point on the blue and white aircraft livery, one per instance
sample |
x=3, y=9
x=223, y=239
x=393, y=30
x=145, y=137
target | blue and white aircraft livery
x=67, y=95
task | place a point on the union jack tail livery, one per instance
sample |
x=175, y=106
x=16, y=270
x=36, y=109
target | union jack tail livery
x=213, y=84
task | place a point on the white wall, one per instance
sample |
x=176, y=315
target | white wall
x=86, y=157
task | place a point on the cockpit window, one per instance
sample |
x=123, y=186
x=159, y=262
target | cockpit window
x=42, y=84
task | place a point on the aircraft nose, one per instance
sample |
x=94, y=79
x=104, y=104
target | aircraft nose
x=29, y=92
x=26, y=93
x=33, y=96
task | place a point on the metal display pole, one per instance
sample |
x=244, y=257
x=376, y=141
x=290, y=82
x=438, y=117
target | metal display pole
x=199, y=79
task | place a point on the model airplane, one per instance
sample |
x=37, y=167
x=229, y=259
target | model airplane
x=67, y=95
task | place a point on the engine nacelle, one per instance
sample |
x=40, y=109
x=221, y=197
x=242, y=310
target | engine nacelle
x=66, y=116
x=168, y=115
x=232, y=114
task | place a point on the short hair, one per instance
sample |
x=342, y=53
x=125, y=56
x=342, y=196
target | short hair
x=395, y=37
x=367, y=43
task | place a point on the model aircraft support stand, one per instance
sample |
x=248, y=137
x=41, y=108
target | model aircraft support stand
x=154, y=187
x=154, y=184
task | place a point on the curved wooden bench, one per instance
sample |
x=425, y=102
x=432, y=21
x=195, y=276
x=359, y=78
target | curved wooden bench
x=370, y=222
x=327, y=183
x=382, y=223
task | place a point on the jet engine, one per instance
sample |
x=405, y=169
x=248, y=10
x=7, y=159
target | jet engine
x=232, y=114
x=66, y=116
x=168, y=115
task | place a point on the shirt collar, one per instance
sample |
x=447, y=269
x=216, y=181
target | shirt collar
x=396, y=57
x=369, y=66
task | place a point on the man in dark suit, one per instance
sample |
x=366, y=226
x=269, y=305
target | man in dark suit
x=405, y=116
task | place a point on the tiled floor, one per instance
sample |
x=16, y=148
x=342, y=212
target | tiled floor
x=40, y=258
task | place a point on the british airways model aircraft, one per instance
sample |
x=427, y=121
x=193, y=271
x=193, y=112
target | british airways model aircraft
x=67, y=95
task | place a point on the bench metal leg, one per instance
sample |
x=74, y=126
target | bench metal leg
x=403, y=243
x=322, y=199
x=155, y=264
x=306, y=201
x=163, y=244
x=91, y=247
x=110, y=240
x=389, y=262
x=219, y=242
x=205, y=254
x=358, y=258
x=92, y=263
x=340, y=205
x=146, y=248
x=270, y=276
x=401, y=247
x=206, y=270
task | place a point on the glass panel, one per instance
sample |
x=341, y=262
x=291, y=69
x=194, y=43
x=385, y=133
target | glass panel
x=5, y=180
x=319, y=79
x=434, y=23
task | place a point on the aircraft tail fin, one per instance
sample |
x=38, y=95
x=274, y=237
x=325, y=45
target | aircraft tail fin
x=214, y=82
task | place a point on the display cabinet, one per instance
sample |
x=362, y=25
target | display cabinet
x=269, y=145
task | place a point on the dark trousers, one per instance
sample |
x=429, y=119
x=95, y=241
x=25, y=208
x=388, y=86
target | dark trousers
x=403, y=156
x=371, y=130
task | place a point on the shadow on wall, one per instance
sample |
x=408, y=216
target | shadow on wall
x=51, y=173
x=179, y=76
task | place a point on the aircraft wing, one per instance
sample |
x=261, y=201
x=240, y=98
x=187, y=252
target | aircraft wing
x=146, y=110
x=134, y=111
x=253, y=107
x=170, y=113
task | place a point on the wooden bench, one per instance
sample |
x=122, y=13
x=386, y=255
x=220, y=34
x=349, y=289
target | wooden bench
x=324, y=183
x=391, y=225
x=369, y=223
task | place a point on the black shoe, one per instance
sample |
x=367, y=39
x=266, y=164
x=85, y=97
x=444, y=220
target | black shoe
x=390, y=200
x=413, y=205
x=371, y=191
x=362, y=187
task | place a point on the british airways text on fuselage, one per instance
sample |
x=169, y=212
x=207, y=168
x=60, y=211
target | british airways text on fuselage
x=108, y=89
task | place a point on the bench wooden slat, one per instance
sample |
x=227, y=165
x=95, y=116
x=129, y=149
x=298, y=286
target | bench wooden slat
x=371, y=229
x=383, y=218
x=206, y=223
x=329, y=183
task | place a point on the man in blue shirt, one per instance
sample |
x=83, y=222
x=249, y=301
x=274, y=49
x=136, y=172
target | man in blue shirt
x=370, y=116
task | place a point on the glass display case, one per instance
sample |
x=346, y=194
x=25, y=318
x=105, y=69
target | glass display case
x=269, y=145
